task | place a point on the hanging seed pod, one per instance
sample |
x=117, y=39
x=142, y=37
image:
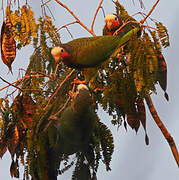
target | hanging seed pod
x=8, y=44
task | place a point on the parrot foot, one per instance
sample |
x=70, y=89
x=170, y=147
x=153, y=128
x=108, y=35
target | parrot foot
x=76, y=81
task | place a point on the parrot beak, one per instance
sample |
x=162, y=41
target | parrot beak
x=109, y=25
x=56, y=53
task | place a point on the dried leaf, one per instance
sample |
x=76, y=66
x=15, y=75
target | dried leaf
x=3, y=148
x=141, y=112
x=132, y=115
x=146, y=139
x=166, y=96
x=125, y=125
x=14, y=141
x=162, y=72
x=25, y=108
x=8, y=44
x=142, y=117
x=29, y=109
x=120, y=104
x=14, y=169
x=133, y=121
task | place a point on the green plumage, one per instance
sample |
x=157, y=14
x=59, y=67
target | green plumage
x=76, y=124
x=91, y=51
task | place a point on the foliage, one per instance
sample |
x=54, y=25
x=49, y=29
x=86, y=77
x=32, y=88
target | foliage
x=119, y=86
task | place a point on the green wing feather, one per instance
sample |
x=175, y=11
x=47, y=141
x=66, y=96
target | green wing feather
x=91, y=51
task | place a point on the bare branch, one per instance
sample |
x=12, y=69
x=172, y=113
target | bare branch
x=85, y=27
x=43, y=4
x=64, y=26
x=163, y=129
x=22, y=79
x=142, y=21
x=10, y=84
x=92, y=25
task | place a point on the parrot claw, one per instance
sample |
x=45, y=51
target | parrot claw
x=76, y=81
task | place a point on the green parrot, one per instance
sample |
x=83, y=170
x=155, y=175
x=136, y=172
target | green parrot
x=76, y=123
x=91, y=51
x=114, y=22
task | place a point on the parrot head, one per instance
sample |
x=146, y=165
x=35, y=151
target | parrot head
x=82, y=87
x=59, y=53
x=112, y=22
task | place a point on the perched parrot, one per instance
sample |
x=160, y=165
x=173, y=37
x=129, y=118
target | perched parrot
x=114, y=22
x=91, y=51
x=69, y=132
x=75, y=125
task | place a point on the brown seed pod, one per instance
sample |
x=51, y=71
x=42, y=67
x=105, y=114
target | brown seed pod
x=8, y=44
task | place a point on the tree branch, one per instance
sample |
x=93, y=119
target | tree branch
x=163, y=129
x=10, y=84
x=150, y=12
x=92, y=25
x=58, y=88
x=85, y=27
x=64, y=26
x=26, y=77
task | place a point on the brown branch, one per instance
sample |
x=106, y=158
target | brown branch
x=55, y=72
x=69, y=32
x=19, y=80
x=150, y=12
x=64, y=26
x=43, y=4
x=58, y=88
x=85, y=27
x=92, y=25
x=10, y=84
x=163, y=129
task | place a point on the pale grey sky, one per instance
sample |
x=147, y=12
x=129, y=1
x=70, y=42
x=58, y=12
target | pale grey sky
x=132, y=159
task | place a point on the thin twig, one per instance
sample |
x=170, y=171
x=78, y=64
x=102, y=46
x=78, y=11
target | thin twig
x=43, y=4
x=102, y=11
x=10, y=84
x=55, y=72
x=69, y=33
x=19, y=80
x=58, y=88
x=142, y=21
x=92, y=25
x=64, y=26
x=163, y=129
x=85, y=27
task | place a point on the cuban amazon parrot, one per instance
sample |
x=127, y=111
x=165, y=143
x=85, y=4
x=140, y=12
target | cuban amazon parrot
x=90, y=51
x=76, y=123
x=114, y=22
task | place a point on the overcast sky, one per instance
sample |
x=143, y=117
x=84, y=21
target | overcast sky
x=132, y=159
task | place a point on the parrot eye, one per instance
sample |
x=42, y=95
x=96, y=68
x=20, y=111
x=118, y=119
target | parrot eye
x=115, y=19
x=62, y=50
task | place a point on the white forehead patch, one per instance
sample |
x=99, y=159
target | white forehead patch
x=82, y=86
x=110, y=17
x=56, y=51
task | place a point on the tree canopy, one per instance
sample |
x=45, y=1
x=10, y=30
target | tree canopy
x=120, y=85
